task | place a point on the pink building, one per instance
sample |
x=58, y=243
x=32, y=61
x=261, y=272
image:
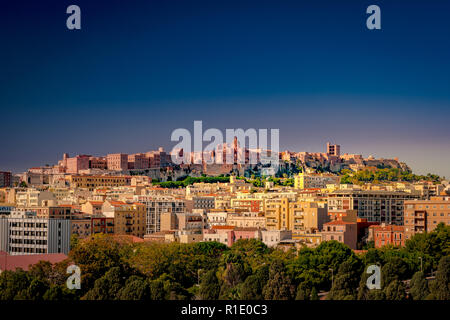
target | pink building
x=117, y=161
x=75, y=164
x=342, y=231
x=138, y=161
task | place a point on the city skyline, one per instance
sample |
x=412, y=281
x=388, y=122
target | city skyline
x=133, y=74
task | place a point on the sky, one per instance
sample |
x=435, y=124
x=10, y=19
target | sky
x=137, y=70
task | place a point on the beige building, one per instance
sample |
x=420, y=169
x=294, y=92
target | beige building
x=314, y=180
x=92, y=182
x=342, y=231
x=129, y=218
x=425, y=215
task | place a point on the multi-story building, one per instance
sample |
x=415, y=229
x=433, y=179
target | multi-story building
x=5, y=179
x=333, y=149
x=342, y=231
x=205, y=202
x=98, y=163
x=77, y=163
x=315, y=180
x=25, y=233
x=92, y=182
x=31, y=197
x=157, y=205
x=138, y=161
x=117, y=161
x=375, y=206
x=425, y=215
x=102, y=225
x=246, y=220
x=299, y=216
x=388, y=235
x=272, y=238
x=129, y=218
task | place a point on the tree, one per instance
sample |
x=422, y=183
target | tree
x=136, y=288
x=441, y=288
x=209, y=286
x=107, y=287
x=279, y=286
x=252, y=288
x=345, y=282
x=395, y=291
x=419, y=286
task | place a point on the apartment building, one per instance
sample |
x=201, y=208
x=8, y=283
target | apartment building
x=129, y=218
x=31, y=197
x=272, y=238
x=204, y=202
x=246, y=220
x=388, y=235
x=102, y=225
x=342, y=231
x=315, y=180
x=25, y=233
x=138, y=161
x=91, y=182
x=424, y=215
x=375, y=206
x=157, y=205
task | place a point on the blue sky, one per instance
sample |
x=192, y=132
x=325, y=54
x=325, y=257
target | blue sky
x=137, y=70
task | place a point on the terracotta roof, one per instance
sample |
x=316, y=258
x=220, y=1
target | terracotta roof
x=24, y=261
x=338, y=222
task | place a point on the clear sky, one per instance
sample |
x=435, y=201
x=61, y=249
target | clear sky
x=137, y=70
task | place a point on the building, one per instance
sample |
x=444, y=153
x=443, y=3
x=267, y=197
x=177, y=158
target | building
x=425, y=215
x=205, y=202
x=25, y=233
x=117, y=161
x=31, y=197
x=138, y=161
x=272, y=238
x=333, y=150
x=246, y=220
x=5, y=179
x=102, y=225
x=77, y=163
x=315, y=180
x=388, y=235
x=342, y=231
x=92, y=182
x=81, y=227
x=129, y=218
x=157, y=205
x=375, y=206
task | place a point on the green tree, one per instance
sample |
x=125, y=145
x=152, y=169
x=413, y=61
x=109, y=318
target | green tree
x=395, y=291
x=441, y=288
x=209, y=286
x=419, y=286
x=345, y=282
x=279, y=286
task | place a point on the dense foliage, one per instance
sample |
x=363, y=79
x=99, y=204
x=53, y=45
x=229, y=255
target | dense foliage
x=384, y=175
x=114, y=269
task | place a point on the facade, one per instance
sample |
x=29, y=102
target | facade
x=314, y=180
x=5, y=179
x=117, y=161
x=342, y=231
x=424, y=215
x=129, y=218
x=102, y=225
x=388, y=235
x=157, y=205
x=81, y=227
x=25, y=233
x=272, y=238
x=75, y=164
x=206, y=202
x=333, y=149
x=91, y=181
x=375, y=206
x=31, y=197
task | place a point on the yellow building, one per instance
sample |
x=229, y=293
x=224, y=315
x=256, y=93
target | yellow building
x=129, y=218
x=300, y=216
x=315, y=180
x=92, y=182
